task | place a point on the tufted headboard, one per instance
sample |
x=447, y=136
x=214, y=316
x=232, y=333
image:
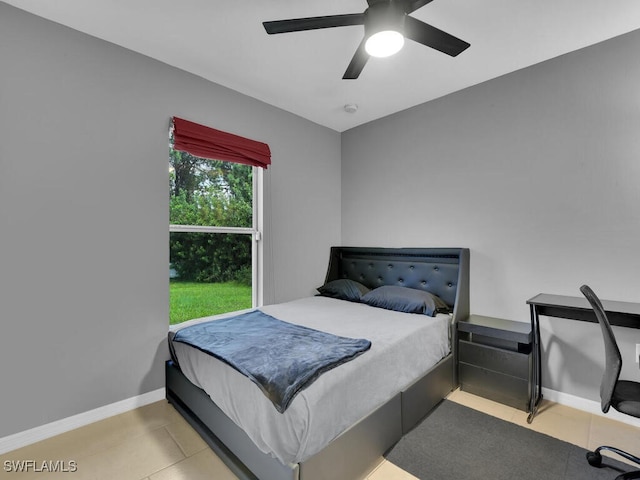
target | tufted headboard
x=441, y=271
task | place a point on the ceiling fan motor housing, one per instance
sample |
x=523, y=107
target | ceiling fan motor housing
x=384, y=15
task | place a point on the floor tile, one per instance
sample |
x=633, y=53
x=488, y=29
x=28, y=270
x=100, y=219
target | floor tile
x=559, y=421
x=189, y=441
x=389, y=471
x=98, y=436
x=79, y=443
x=485, y=405
x=605, y=431
x=133, y=459
x=151, y=416
x=204, y=465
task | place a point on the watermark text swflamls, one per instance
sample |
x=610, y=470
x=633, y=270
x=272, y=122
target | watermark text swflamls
x=40, y=466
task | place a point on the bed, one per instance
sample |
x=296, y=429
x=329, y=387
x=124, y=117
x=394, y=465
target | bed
x=350, y=416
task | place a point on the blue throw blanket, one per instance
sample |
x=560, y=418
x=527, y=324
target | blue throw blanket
x=280, y=357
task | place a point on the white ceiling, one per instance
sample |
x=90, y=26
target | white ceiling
x=224, y=41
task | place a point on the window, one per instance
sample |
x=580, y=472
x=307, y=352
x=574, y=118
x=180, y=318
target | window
x=215, y=234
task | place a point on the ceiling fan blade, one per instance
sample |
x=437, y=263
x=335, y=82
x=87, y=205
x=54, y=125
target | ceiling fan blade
x=312, y=23
x=415, y=5
x=357, y=63
x=420, y=32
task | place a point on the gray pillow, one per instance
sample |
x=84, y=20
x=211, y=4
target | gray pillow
x=344, y=289
x=403, y=299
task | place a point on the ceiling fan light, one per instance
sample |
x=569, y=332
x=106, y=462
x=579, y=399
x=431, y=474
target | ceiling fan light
x=384, y=43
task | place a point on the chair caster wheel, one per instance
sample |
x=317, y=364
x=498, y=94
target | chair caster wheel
x=594, y=459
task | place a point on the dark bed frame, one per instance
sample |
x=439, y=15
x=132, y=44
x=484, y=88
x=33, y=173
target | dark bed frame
x=358, y=450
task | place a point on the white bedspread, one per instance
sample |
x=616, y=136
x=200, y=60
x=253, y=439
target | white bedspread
x=404, y=347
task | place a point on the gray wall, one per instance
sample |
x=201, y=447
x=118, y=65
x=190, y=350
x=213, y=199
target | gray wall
x=538, y=172
x=84, y=213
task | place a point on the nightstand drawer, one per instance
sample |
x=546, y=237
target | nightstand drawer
x=511, y=363
x=495, y=386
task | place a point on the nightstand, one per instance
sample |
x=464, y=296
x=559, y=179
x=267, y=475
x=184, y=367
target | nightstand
x=495, y=359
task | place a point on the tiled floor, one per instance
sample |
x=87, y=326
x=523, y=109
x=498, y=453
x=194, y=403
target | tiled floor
x=155, y=443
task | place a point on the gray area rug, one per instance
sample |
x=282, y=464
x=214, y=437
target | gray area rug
x=456, y=442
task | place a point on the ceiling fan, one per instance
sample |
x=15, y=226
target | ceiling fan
x=386, y=24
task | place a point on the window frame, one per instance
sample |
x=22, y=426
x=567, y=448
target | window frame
x=255, y=231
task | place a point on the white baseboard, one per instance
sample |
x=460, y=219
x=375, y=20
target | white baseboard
x=22, y=439
x=589, y=406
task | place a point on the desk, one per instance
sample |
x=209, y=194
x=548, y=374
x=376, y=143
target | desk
x=623, y=314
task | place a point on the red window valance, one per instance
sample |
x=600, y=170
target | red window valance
x=206, y=142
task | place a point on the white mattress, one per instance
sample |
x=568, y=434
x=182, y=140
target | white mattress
x=404, y=347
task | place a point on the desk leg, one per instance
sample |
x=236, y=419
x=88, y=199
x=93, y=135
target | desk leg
x=536, y=374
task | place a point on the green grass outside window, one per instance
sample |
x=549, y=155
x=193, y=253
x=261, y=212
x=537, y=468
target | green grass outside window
x=190, y=300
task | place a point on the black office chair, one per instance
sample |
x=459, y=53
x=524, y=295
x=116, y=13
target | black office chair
x=623, y=395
